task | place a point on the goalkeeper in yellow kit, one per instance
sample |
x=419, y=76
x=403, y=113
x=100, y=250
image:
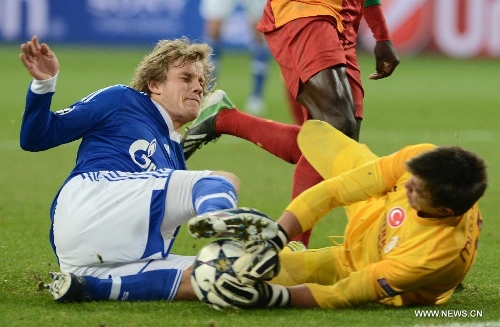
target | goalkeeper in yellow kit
x=412, y=232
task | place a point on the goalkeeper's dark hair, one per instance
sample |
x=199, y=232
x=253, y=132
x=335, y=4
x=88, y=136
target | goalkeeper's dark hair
x=454, y=177
x=155, y=65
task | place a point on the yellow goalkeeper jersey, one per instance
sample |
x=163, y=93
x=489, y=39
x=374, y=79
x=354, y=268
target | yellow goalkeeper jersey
x=392, y=255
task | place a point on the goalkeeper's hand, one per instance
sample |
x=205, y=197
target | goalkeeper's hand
x=261, y=260
x=229, y=292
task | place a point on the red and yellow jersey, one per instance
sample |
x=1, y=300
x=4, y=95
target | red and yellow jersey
x=393, y=255
x=347, y=13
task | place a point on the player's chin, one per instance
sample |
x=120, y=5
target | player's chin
x=192, y=110
x=191, y=115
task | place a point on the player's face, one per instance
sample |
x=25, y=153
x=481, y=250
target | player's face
x=181, y=93
x=420, y=198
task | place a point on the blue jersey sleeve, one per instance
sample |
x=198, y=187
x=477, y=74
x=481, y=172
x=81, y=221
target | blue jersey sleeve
x=42, y=129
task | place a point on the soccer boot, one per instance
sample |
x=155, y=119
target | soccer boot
x=67, y=287
x=246, y=224
x=202, y=130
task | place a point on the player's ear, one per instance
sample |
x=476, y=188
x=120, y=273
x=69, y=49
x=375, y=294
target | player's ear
x=446, y=212
x=153, y=86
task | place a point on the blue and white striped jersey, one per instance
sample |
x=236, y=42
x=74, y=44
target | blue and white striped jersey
x=121, y=129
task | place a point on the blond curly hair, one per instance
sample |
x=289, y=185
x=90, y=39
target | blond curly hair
x=155, y=65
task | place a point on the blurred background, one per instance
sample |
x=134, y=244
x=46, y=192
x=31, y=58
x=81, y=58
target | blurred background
x=454, y=28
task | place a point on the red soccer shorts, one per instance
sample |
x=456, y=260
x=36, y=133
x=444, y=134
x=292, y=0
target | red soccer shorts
x=305, y=46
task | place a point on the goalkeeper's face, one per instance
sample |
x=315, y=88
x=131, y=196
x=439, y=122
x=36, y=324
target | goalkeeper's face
x=180, y=94
x=420, y=199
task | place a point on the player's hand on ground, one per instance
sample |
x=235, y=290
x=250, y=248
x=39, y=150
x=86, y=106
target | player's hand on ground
x=386, y=59
x=38, y=59
x=229, y=292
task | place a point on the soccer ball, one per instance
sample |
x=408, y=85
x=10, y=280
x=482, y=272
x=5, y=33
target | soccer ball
x=211, y=262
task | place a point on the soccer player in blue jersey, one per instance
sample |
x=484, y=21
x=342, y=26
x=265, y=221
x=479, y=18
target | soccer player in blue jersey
x=116, y=216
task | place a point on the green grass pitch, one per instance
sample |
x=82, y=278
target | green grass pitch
x=428, y=99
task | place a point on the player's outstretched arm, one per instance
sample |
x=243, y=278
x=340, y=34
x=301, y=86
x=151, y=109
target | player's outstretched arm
x=386, y=58
x=38, y=59
x=229, y=292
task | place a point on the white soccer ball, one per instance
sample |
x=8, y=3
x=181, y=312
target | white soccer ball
x=211, y=262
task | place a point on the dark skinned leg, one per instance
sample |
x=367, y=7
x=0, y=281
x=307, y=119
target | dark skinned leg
x=358, y=128
x=327, y=96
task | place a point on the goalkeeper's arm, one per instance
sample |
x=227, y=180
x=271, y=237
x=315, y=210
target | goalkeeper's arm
x=290, y=224
x=229, y=292
x=301, y=297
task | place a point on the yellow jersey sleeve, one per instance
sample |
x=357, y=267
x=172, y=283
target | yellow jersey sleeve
x=423, y=269
x=371, y=180
x=390, y=281
x=358, y=288
x=358, y=185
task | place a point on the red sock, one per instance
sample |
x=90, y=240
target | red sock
x=276, y=138
x=304, y=177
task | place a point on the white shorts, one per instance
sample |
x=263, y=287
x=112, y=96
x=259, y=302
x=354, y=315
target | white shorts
x=109, y=223
x=172, y=261
x=222, y=9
